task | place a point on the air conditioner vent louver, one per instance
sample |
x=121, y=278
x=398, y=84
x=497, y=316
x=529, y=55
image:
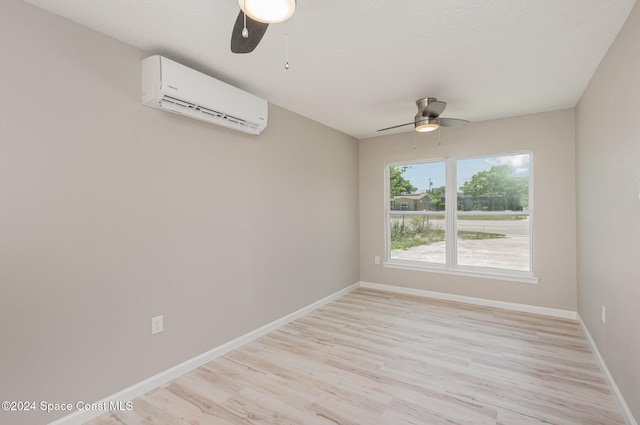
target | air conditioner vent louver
x=205, y=114
x=201, y=97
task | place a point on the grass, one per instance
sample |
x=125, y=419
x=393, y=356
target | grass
x=491, y=217
x=471, y=234
x=416, y=232
x=407, y=243
x=473, y=217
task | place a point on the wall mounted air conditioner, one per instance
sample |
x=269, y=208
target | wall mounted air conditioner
x=173, y=87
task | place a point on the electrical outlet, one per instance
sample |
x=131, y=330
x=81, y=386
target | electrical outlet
x=156, y=325
x=376, y=259
x=603, y=314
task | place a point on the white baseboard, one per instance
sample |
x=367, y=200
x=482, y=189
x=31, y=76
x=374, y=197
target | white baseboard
x=617, y=395
x=524, y=308
x=139, y=389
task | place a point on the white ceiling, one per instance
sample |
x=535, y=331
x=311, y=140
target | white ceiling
x=359, y=65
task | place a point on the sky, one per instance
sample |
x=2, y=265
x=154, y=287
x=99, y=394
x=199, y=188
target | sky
x=419, y=174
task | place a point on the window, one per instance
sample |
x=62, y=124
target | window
x=462, y=215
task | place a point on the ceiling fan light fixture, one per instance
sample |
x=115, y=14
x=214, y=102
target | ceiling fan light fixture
x=425, y=125
x=268, y=11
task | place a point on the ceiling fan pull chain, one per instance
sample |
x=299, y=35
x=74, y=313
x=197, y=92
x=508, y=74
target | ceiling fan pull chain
x=245, y=31
x=286, y=44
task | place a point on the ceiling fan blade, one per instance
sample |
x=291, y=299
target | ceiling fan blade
x=239, y=44
x=453, y=122
x=395, y=126
x=434, y=109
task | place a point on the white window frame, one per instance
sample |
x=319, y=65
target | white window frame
x=451, y=265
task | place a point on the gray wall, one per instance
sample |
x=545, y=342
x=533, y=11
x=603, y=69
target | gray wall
x=112, y=212
x=550, y=136
x=608, y=190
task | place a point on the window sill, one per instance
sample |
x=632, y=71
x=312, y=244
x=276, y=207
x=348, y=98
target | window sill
x=521, y=277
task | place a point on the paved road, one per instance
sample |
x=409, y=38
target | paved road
x=505, y=227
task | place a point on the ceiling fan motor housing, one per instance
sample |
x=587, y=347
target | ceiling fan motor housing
x=425, y=121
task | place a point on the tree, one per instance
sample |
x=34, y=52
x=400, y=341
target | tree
x=398, y=184
x=485, y=183
x=436, y=198
x=498, y=183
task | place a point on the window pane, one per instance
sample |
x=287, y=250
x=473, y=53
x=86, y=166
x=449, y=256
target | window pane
x=487, y=189
x=418, y=237
x=420, y=188
x=500, y=241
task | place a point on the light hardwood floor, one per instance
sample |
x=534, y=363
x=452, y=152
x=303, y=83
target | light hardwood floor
x=374, y=357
